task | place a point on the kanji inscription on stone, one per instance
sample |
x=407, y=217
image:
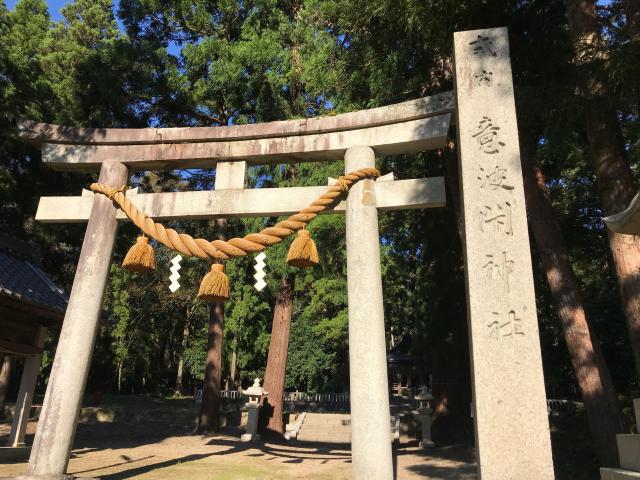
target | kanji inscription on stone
x=507, y=327
x=508, y=384
x=494, y=178
x=496, y=218
x=486, y=134
x=483, y=45
x=500, y=268
x=484, y=78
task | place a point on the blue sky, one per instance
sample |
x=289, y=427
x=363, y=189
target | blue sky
x=54, y=7
x=54, y=11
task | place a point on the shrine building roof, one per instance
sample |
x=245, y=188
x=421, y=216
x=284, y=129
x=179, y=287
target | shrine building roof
x=25, y=286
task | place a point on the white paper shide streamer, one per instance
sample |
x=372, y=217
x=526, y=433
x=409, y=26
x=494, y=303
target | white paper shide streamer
x=260, y=274
x=175, y=266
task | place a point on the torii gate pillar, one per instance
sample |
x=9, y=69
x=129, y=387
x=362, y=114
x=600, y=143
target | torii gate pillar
x=58, y=419
x=370, y=418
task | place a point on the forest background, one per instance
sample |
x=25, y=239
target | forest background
x=146, y=63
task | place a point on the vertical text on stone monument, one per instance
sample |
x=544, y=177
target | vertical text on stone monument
x=494, y=178
x=499, y=267
x=484, y=78
x=483, y=46
x=505, y=326
x=487, y=136
x=496, y=218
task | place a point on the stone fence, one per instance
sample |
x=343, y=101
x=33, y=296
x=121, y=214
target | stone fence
x=557, y=407
x=289, y=397
x=234, y=401
x=340, y=401
x=303, y=397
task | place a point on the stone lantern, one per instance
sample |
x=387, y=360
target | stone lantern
x=255, y=394
x=426, y=410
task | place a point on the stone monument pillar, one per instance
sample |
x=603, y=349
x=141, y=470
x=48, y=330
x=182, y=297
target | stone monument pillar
x=508, y=384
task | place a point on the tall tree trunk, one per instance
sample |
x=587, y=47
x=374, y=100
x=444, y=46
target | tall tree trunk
x=277, y=358
x=120, y=376
x=632, y=12
x=232, y=370
x=209, y=418
x=5, y=375
x=593, y=376
x=177, y=391
x=608, y=154
x=183, y=347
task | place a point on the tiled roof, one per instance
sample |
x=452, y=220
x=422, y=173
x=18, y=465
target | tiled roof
x=21, y=279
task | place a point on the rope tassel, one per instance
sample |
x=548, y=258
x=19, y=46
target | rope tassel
x=303, y=252
x=140, y=258
x=235, y=247
x=215, y=285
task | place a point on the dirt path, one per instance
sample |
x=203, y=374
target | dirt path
x=113, y=454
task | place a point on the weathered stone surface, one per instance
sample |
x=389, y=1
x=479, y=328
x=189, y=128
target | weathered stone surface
x=25, y=394
x=230, y=175
x=405, y=137
x=370, y=417
x=393, y=195
x=251, y=430
x=400, y=112
x=629, y=450
x=627, y=221
x=57, y=424
x=512, y=430
x=618, y=474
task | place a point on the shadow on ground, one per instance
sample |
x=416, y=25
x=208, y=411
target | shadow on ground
x=136, y=471
x=157, y=451
x=296, y=452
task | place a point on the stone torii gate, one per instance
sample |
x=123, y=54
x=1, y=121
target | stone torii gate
x=509, y=406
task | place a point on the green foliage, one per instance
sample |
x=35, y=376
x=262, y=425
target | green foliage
x=318, y=345
x=195, y=356
x=229, y=62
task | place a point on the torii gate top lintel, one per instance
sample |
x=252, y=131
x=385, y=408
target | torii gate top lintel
x=405, y=127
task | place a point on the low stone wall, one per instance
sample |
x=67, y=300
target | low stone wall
x=9, y=409
x=233, y=414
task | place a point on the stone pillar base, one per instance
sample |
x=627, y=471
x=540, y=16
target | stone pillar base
x=426, y=444
x=249, y=437
x=629, y=450
x=618, y=474
x=11, y=454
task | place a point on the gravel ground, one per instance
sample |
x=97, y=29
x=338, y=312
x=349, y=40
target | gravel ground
x=161, y=451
